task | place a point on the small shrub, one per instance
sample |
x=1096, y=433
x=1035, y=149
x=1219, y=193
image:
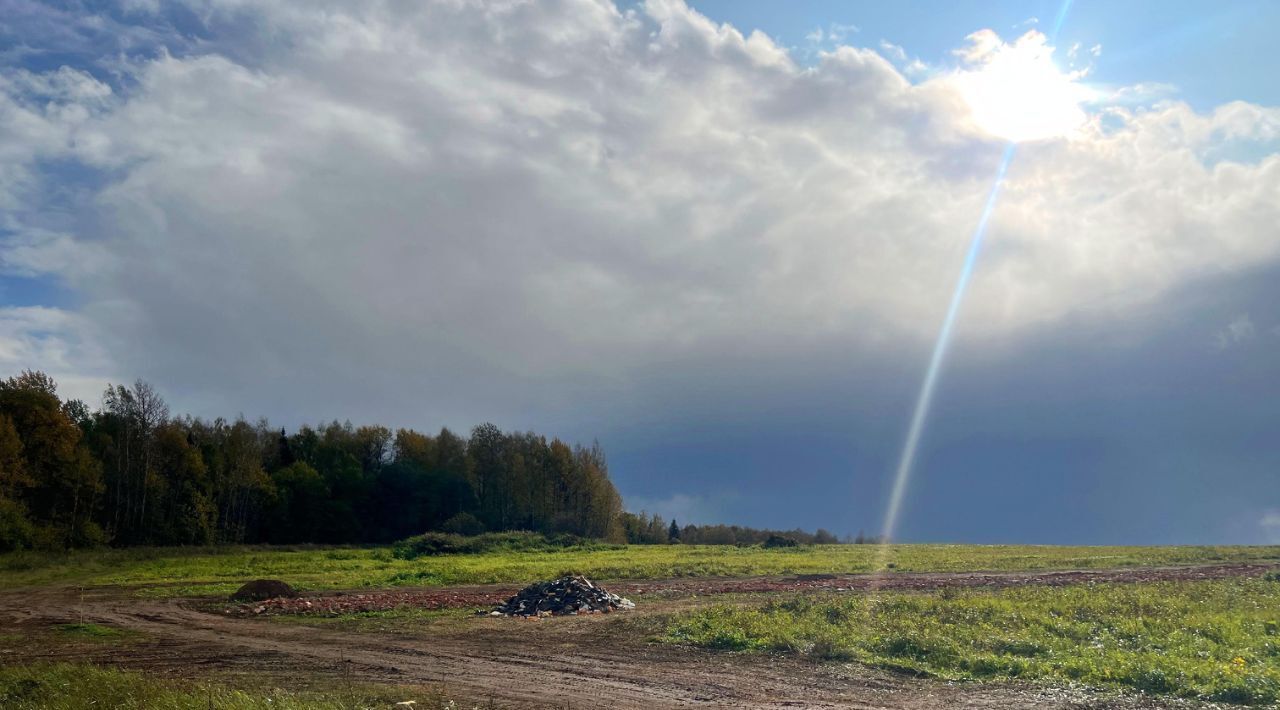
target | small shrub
x=20, y=561
x=910, y=647
x=1152, y=680
x=780, y=541
x=463, y=523
x=429, y=545
x=433, y=544
x=829, y=650
x=16, y=531
x=1019, y=647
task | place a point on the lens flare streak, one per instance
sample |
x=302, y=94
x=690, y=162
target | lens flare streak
x=925, y=399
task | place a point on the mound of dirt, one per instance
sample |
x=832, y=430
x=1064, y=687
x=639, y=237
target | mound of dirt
x=263, y=589
x=565, y=596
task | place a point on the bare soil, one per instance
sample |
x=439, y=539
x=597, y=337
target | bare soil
x=461, y=597
x=586, y=661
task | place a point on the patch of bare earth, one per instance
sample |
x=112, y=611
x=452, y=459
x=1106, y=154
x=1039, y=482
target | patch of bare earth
x=583, y=661
x=335, y=603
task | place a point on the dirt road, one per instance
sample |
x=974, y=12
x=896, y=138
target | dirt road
x=590, y=661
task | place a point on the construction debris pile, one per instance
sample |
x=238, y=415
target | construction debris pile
x=565, y=596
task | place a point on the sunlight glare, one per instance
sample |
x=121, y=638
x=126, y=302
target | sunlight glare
x=1016, y=92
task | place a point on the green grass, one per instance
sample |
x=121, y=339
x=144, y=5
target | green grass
x=80, y=686
x=86, y=630
x=434, y=544
x=194, y=571
x=1217, y=640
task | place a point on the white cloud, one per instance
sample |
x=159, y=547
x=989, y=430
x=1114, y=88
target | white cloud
x=60, y=343
x=39, y=117
x=685, y=509
x=531, y=194
x=1270, y=524
x=1239, y=330
x=1141, y=94
x=1016, y=91
x=911, y=67
x=840, y=32
x=140, y=6
x=893, y=51
x=832, y=35
x=37, y=252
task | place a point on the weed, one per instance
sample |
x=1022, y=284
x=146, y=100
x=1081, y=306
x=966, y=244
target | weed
x=1211, y=640
x=67, y=686
x=220, y=570
x=87, y=630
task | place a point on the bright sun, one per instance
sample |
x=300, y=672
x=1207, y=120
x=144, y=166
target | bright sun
x=1016, y=92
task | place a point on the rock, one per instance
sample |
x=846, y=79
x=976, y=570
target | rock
x=263, y=589
x=567, y=596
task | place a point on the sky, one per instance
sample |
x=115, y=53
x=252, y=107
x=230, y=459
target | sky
x=719, y=238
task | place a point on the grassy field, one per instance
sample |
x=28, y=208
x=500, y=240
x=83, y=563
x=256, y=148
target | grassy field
x=79, y=686
x=219, y=570
x=1216, y=640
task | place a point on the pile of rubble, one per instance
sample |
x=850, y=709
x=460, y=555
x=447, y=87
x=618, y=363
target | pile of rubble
x=565, y=596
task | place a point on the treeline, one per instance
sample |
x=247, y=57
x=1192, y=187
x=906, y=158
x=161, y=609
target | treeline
x=132, y=474
x=643, y=529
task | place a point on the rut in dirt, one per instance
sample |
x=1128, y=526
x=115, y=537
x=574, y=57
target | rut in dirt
x=582, y=661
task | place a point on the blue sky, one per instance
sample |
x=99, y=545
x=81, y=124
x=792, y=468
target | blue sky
x=724, y=255
x=1213, y=53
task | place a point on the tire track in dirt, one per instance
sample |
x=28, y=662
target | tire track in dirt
x=570, y=661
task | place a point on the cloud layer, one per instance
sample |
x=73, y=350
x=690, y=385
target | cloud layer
x=456, y=211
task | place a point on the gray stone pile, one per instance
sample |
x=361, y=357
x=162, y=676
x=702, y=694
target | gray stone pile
x=569, y=596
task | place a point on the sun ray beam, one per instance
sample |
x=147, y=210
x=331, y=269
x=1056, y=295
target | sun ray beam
x=924, y=399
